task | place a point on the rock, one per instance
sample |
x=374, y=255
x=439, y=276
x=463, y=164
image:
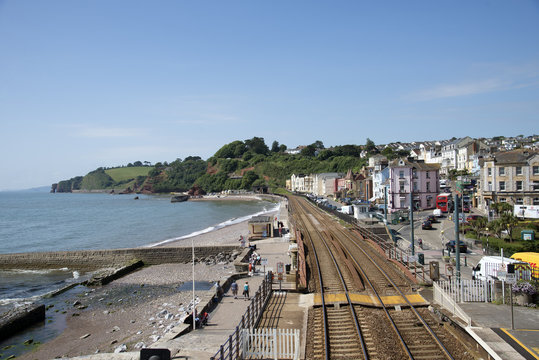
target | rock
x=114, y=329
x=113, y=342
x=75, y=314
x=76, y=303
x=151, y=319
x=120, y=349
x=29, y=341
x=106, y=312
x=139, y=332
x=169, y=316
x=140, y=345
x=82, y=307
x=155, y=337
x=133, y=321
x=162, y=313
x=84, y=336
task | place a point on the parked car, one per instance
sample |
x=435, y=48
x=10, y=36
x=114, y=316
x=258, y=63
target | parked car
x=427, y=225
x=466, y=208
x=450, y=246
x=473, y=217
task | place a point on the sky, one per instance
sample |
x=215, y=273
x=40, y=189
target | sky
x=88, y=84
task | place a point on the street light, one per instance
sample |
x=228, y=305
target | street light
x=487, y=239
x=193, y=254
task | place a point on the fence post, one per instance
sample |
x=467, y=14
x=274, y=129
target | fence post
x=230, y=346
x=238, y=342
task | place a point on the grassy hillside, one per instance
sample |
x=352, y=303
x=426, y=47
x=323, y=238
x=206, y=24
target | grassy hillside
x=128, y=173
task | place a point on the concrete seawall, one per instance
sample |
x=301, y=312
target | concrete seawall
x=96, y=259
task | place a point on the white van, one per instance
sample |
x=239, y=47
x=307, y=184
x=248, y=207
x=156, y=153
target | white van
x=437, y=212
x=487, y=268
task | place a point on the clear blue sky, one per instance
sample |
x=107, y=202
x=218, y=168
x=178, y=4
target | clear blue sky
x=85, y=84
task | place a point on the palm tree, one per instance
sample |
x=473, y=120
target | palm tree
x=509, y=222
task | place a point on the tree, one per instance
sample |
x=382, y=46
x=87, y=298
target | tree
x=497, y=228
x=248, y=179
x=318, y=144
x=478, y=225
x=137, y=163
x=308, y=151
x=275, y=146
x=257, y=145
x=282, y=148
x=370, y=147
x=509, y=222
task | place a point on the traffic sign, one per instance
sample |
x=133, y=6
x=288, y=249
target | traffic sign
x=264, y=261
x=511, y=279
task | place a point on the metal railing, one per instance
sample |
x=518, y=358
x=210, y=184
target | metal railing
x=232, y=348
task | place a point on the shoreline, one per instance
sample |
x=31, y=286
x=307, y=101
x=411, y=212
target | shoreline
x=140, y=307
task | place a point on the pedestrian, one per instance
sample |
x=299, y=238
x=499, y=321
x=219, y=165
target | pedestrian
x=242, y=241
x=234, y=289
x=246, y=290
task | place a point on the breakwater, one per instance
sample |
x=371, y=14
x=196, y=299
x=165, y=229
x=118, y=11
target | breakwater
x=89, y=260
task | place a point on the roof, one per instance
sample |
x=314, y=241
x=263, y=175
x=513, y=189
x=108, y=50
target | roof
x=514, y=156
x=260, y=219
x=419, y=165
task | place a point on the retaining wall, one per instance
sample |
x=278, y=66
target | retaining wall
x=97, y=259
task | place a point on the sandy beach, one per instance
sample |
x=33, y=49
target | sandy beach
x=139, y=308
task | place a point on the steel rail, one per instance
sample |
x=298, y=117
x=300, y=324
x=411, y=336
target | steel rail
x=420, y=318
x=351, y=306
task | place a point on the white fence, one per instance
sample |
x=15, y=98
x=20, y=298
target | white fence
x=270, y=343
x=447, y=302
x=468, y=290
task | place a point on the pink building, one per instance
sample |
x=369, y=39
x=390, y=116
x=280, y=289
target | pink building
x=406, y=176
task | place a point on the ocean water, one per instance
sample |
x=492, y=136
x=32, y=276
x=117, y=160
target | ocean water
x=40, y=221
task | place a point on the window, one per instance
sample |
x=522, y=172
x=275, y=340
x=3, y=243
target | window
x=428, y=186
x=428, y=175
x=489, y=171
x=535, y=170
x=414, y=174
x=502, y=185
x=502, y=171
x=519, y=185
x=536, y=201
x=401, y=174
x=503, y=200
x=518, y=170
x=489, y=187
x=401, y=188
x=415, y=186
x=520, y=201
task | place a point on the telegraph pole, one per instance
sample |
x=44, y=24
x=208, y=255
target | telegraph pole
x=457, y=237
x=412, y=219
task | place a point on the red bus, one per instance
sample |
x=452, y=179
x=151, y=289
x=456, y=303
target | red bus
x=443, y=201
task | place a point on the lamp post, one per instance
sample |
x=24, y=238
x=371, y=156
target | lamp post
x=487, y=240
x=193, y=254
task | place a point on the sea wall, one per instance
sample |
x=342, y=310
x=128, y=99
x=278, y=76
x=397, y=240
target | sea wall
x=97, y=259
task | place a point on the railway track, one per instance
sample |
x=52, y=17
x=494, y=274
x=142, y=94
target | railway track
x=344, y=265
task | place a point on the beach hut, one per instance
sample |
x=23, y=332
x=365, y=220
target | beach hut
x=260, y=227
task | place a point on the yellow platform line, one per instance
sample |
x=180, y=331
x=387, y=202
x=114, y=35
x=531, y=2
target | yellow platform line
x=521, y=344
x=368, y=300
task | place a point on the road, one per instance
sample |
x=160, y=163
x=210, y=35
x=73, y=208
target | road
x=434, y=241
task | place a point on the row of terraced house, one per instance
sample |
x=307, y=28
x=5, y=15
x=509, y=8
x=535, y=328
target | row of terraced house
x=501, y=176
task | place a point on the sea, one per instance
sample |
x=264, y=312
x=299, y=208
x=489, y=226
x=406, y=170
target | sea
x=40, y=221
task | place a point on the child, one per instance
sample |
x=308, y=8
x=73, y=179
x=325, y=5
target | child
x=246, y=290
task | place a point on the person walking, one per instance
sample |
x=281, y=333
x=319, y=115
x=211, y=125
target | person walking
x=234, y=289
x=246, y=290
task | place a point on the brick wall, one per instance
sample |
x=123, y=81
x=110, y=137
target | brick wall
x=95, y=259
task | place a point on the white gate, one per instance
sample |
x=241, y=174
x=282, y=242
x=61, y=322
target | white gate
x=468, y=290
x=270, y=343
